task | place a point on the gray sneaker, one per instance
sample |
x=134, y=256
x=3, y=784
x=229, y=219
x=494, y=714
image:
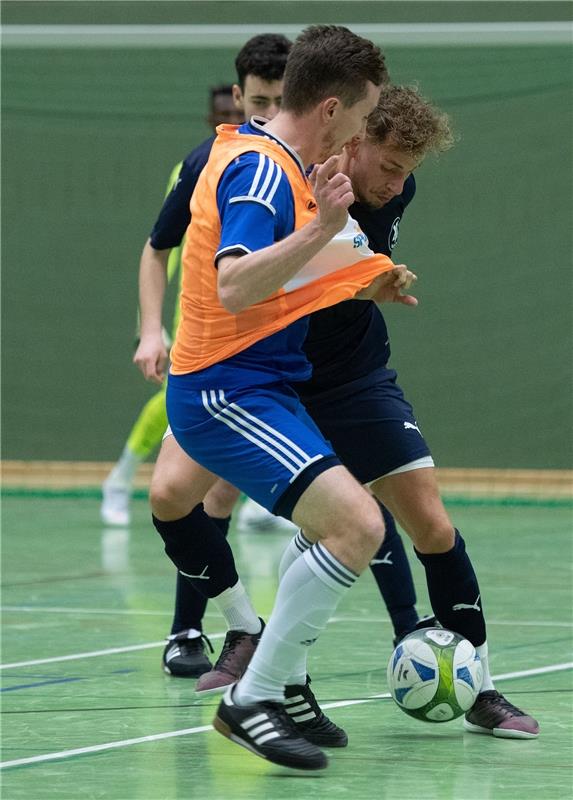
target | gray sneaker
x=494, y=715
x=238, y=649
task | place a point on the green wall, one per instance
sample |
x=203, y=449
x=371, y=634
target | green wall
x=89, y=137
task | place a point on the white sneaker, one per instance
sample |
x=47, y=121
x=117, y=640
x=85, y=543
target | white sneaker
x=253, y=517
x=114, y=509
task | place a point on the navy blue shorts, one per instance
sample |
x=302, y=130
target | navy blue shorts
x=260, y=438
x=369, y=424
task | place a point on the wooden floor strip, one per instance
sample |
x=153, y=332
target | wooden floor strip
x=541, y=484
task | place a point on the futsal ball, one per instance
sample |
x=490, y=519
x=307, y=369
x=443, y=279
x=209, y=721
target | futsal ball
x=435, y=675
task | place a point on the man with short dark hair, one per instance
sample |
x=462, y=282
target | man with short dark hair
x=223, y=107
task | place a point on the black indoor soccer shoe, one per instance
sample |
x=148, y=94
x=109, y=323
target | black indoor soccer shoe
x=186, y=658
x=310, y=720
x=267, y=731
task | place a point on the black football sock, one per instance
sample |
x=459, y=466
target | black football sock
x=454, y=591
x=190, y=604
x=199, y=551
x=393, y=575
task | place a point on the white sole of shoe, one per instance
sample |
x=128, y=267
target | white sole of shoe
x=500, y=733
x=215, y=690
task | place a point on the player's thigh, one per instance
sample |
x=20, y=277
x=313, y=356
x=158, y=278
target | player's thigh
x=260, y=439
x=338, y=511
x=178, y=483
x=370, y=425
x=413, y=497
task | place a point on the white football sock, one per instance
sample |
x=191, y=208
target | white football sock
x=482, y=652
x=295, y=548
x=235, y=605
x=307, y=597
x=124, y=471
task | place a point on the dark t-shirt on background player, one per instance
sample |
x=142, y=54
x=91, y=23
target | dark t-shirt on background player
x=369, y=423
x=175, y=216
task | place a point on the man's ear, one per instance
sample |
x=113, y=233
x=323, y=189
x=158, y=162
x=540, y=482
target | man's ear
x=353, y=145
x=330, y=107
x=238, y=97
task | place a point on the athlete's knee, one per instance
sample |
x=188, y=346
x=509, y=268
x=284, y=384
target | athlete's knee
x=372, y=528
x=362, y=527
x=434, y=535
x=167, y=498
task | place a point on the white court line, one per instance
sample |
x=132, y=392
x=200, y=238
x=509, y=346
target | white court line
x=191, y=36
x=18, y=762
x=111, y=651
x=75, y=610
x=514, y=623
x=145, y=612
x=71, y=610
x=107, y=746
x=94, y=653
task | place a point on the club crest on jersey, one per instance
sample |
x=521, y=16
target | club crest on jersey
x=394, y=233
x=360, y=240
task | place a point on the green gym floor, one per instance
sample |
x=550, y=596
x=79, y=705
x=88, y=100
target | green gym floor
x=88, y=712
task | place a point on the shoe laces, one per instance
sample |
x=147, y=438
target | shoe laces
x=197, y=642
x=495, y=698
x=232, y=640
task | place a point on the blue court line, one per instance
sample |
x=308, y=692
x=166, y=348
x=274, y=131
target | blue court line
x=40, y=683
x=59, y=680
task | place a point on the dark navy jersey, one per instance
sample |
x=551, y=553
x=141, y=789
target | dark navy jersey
x=175, y=214
x=350, y=340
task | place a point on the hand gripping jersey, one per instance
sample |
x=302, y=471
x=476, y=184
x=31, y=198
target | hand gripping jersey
x=207, y=333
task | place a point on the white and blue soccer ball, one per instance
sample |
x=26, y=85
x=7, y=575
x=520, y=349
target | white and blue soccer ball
x=435, y=675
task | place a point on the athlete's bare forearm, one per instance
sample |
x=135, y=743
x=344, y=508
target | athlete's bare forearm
x=245, y=280
x=152, y=284
x=151, y=354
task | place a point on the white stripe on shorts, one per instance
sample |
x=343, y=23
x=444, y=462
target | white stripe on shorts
x=419, y=463
x=227, y=413
x=257, y=421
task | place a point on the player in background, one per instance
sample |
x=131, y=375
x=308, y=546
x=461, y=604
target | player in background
x=260, y=67
x=148, y=430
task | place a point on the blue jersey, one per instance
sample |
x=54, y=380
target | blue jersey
x=256, y=208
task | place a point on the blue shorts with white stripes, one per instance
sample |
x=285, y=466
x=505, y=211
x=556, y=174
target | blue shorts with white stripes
x=260, y=439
